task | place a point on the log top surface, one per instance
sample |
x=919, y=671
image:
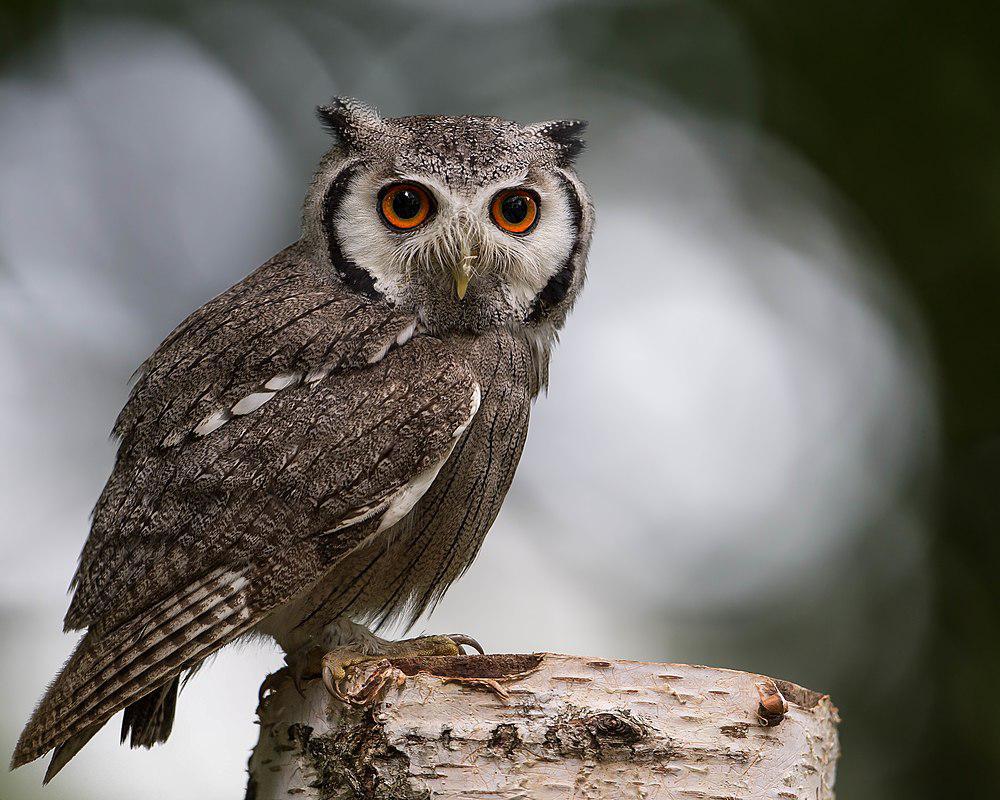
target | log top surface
x=549, y=727
x=507, y=666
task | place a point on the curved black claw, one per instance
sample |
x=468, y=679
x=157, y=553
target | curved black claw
x=333, y=685
x=364, y=694
x=272, y=682
x=461, y=639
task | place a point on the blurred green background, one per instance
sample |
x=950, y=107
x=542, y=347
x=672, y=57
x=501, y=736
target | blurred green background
x=883, y=118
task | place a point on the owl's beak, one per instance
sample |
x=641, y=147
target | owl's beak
x=461, y=270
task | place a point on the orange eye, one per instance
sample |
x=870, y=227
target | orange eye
x=404, y=205
x=515, y=210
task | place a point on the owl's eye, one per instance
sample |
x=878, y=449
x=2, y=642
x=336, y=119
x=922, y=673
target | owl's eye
x=515, y=210
x=404, y=205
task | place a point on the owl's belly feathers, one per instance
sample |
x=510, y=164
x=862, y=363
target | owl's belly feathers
x=401, y=570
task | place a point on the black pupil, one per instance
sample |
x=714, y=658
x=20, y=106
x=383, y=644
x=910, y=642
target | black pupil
x=514, y=208
x=406, y=204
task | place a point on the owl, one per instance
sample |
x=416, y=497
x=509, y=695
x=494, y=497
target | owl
x=320, y=450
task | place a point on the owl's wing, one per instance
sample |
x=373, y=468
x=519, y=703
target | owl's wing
x=206, y=527
x=224, y=415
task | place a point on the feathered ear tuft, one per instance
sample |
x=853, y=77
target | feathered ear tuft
x=349, y=121
x=565, y=134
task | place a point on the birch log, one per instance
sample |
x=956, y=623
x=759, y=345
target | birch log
x=547, y=727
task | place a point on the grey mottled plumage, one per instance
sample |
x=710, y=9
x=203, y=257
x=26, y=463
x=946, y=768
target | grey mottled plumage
x=331, y=438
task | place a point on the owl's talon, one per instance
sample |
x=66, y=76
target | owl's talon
x=302, y=667
x=461, y=639
x=335, y=665
x=272, y=682
x=331, y=683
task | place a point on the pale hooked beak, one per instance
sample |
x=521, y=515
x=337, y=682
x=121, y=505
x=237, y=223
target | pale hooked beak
x=461, y=270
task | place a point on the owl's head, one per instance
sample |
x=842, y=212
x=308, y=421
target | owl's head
x=472, y=222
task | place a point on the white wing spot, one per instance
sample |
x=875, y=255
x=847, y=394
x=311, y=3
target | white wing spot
x=173, y=439
x=364, y=514
x=251, y=403
x=212, y=422
x=477, y=398
x=406, y=334
x=381, y=353
x=317, y=374
x=283, y=381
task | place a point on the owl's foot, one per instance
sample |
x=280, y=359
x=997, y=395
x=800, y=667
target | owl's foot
x=335, y=664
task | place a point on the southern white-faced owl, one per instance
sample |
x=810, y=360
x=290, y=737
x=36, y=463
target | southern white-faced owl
x=321, y=449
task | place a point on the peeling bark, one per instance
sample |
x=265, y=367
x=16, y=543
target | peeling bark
x=544, y=727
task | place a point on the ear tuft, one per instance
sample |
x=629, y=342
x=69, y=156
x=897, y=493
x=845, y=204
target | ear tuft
x=349, y=120
x=565, y=134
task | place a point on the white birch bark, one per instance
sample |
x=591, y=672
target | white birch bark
x=548, y=727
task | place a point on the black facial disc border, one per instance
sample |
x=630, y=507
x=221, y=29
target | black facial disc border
x=352, y=274
x=558, y=286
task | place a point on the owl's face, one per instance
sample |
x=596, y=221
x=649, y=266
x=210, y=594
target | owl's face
x=472, y=222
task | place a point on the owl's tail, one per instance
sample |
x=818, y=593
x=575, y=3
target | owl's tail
x=64, y=752
x=149, y=720
x=136, y=666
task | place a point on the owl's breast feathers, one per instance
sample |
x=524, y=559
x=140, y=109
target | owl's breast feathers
x=268, y=439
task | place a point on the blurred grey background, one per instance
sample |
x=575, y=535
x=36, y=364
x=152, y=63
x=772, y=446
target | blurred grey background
x=771, y=438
